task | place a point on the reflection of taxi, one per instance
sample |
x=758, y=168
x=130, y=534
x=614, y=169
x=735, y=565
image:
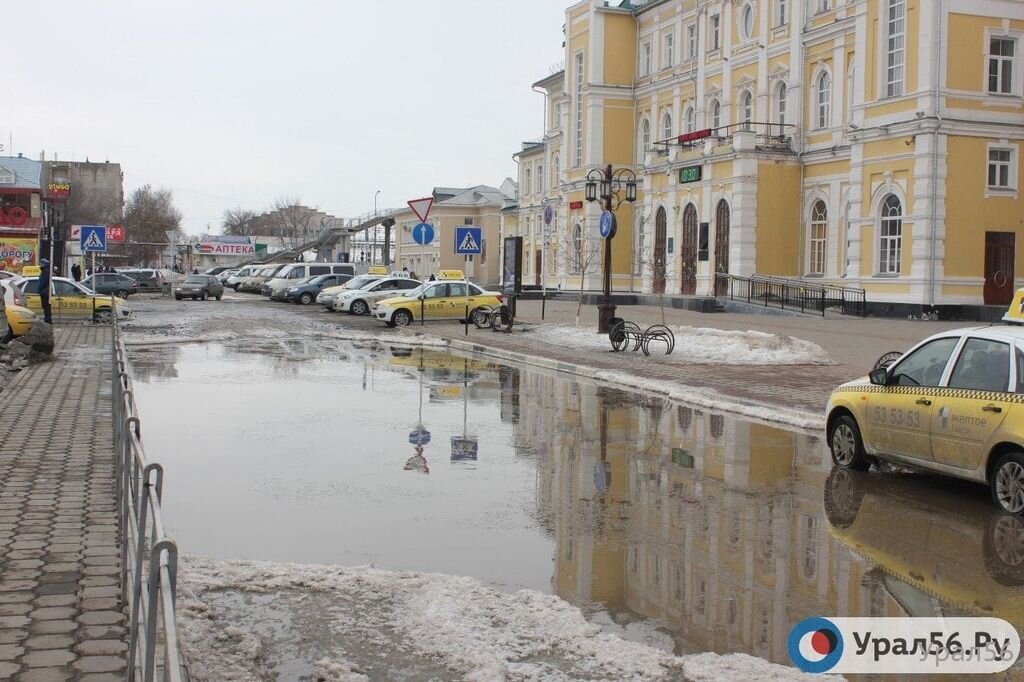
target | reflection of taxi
x=360, y=301
x=329, y=295
x=71, y=300
x=444, y=299
x=953, y=404
x=937, y=549
x=19, y=321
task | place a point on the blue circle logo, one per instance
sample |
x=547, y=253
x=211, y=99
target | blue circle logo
x=815, y=645
x=607, y=225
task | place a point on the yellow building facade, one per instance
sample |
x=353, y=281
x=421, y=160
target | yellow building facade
x=872, y=144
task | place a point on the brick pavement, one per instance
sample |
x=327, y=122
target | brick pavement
x=60, y=614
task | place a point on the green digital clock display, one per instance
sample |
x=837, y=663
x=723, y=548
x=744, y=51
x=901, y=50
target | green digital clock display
x=690, y=174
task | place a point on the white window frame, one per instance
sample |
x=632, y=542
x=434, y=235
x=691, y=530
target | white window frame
x=527, y=181
x=689, y=119
x=823, y=101
x=822, y=6
x=645, y=58
x=714, y=32
x=895, y=48
x=715, y=114
x=580, y=75
x=747, y=32
x=817, y=233
x=745, y=109
x=781, y=13
x=645, y=135
x=668, y=41
x=556, y=167
x=538, y=179
x=1016, y=74
x=691, y=41
x=667, y=127
x=781, y=97
x=890, y=237
x=1010, y=190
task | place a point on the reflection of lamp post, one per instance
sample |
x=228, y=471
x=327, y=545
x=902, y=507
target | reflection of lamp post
x=612, y=183
x=465, y=448
x=419, y=436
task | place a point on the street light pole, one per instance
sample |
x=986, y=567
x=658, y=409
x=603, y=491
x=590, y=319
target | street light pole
x=612, y=182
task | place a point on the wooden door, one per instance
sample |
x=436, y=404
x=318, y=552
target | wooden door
x=688, y=252
x=999, y=247
x=538, y=265
x=660, y=248
x=721, y=247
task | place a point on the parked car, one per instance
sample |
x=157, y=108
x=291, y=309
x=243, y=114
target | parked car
x=226, y=275
x=445, y=299
x=108, y=283
x=253, y=282
x=217, y=270
x=328, y=295
x=11, y=292
x=149, y=279
x=19, y=321
x=360, y=301
x=306, y=291
x=70, y=299
x=293, y=272
x=199, y=287
x=235, y=280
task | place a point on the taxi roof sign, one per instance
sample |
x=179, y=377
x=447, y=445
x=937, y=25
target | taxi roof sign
x=451, y=274
x=1015, y=313
x=31, y=271
x=377, y=270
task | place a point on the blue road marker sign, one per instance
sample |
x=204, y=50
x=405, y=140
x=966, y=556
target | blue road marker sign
x=608, y=225
x=93, y=238
x=419, y=436
x=423, y=233
x=468, y=240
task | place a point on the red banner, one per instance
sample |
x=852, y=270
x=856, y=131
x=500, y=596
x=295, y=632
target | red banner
x=695, y=135
x=115, y=233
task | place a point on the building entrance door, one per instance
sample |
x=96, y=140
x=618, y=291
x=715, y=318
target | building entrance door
x=722, y=248
x=999, y=247
x=688, y=252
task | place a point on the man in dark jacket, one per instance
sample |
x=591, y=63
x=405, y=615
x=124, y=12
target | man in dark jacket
x=76, y=272
x=44, y=289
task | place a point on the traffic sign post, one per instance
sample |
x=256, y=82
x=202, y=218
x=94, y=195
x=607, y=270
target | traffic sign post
x=423, y=234
x=421, y=207
x=93, y=239
x=468, y=242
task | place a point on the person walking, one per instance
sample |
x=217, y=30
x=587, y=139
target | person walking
x=412, y=274
x=76, y=272
x=44, y=290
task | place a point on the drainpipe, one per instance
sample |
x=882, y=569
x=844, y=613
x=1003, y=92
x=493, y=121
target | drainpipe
x=935, y=152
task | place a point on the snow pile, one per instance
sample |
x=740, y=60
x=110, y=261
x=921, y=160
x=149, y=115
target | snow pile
x=360, y=623
x=701, y=345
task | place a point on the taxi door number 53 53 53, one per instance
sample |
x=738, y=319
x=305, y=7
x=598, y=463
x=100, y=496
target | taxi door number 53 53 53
x=897, y=417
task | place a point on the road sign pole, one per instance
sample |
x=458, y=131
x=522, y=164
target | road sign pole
x=466, y=292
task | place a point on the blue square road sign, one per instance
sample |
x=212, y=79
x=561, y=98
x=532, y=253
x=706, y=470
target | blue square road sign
x=93, y=238
x=468, y=240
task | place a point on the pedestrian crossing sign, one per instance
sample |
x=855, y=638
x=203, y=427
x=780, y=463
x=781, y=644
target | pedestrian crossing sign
x=468, y=240
x=93, y=238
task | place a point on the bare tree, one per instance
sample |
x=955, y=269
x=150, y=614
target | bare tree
x=581, y=256
x=239, y=222
x=298, y=223
x=148, y=216
x=645, y=264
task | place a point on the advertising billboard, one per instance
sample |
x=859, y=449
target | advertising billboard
x=512, y=267
x=17, y=252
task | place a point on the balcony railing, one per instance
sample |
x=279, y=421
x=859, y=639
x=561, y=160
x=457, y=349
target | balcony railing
x=774, y=136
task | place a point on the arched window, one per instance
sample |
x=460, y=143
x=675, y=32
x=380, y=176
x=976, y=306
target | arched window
x=823, y=91
x=577, y=248
x=746, y=109
x=540, y=177
x=666, y=126
x=747, y=21
x=556, y=170
x=818, y=234
x=716, y=114
x=890, y=247
x=780, y=104
x=690, y=121
x=645, y=135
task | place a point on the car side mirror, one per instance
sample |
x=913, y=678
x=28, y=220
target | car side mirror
x=879, y=377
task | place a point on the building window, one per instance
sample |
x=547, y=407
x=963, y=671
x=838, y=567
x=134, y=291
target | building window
x=579, y=109
x=666, y=125
x=1000, y=168
x=850, y=73
x=556, y=165
x=780, y=13
x=645, y=59
x=691, y=41
x=747, y=21
x=823, y=5
x=715, y=31
x=896, y=33
x=577, y=248
x=670, y=50
x=890, y=250
x=819, y=230
x=746, y=110
x=1001, y=53
x=689, y=120
x=527, y=181
x=780, y=104
x=716, y=114
x=540, y=177
x=645, y=135
x=824, y=100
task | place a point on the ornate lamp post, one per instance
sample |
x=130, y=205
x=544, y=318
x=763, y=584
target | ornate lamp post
x=616, y=186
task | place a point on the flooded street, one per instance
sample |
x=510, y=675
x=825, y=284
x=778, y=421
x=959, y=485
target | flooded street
x=684, y=530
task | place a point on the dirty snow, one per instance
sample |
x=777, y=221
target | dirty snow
x=346, y=624
x=701, y=345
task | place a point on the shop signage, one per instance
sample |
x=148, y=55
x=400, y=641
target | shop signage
x=58, y=190
x=115, y=233
x=575, y=205
x=16, y=253
x=15, y=216
x=690, y=174
x=695, y=135
x=222, y=245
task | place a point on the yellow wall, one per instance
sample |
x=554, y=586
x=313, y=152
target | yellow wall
x=778, y=218
x=618, y=132
x=620, y=49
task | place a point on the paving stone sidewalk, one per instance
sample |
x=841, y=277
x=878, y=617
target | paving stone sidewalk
x=60, y=614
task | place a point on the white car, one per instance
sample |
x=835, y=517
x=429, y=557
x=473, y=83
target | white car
x=11, y=291
x=361, y=301
x=236, y=278
x=327, y=297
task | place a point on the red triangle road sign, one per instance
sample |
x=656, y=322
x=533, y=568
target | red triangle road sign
x=421, y=207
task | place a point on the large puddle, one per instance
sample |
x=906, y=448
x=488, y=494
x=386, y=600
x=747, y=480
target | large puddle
x=685, y=529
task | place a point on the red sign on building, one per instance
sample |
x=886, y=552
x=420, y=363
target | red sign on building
x=115, y=233
x=575, y=205
x=58, y=191
x=695, y=135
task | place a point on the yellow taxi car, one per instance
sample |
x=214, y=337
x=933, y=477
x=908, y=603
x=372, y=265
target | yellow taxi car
x=446, y=298
x=71, y=300
x=953, y=404
x=19, y=321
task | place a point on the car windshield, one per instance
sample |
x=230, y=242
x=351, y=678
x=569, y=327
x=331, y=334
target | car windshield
x=304, y=280
x=195, y=279
x=317, y=279
x=360, y=282
x=413, y=293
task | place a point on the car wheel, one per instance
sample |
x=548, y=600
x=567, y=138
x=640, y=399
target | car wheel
x=843, y=496
x=177, y=298
x=480, y=317
x=220, y=296
x=204, y=295
x=401, y=318
x=1007, y=482
x=359, y=308
x=846, y=445
x=306, y=298
x=122, y=293
x=1003, y=549
x=102, y=316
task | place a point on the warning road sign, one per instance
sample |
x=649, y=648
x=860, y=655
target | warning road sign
x=93, y=238
x=421, y=207
x=468, y=240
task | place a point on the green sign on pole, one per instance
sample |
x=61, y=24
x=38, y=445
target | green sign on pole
x=690, y=174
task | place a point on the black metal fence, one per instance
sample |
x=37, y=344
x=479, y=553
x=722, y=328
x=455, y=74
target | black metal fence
x=790, y=294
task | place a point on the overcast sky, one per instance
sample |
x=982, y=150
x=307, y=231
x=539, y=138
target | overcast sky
x=238, y=102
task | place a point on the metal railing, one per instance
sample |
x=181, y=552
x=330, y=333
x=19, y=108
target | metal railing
x=777, y=136
x=149, y=559
x=792, y=294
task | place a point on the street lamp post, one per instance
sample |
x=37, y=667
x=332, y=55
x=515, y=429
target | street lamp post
x=613, y=183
